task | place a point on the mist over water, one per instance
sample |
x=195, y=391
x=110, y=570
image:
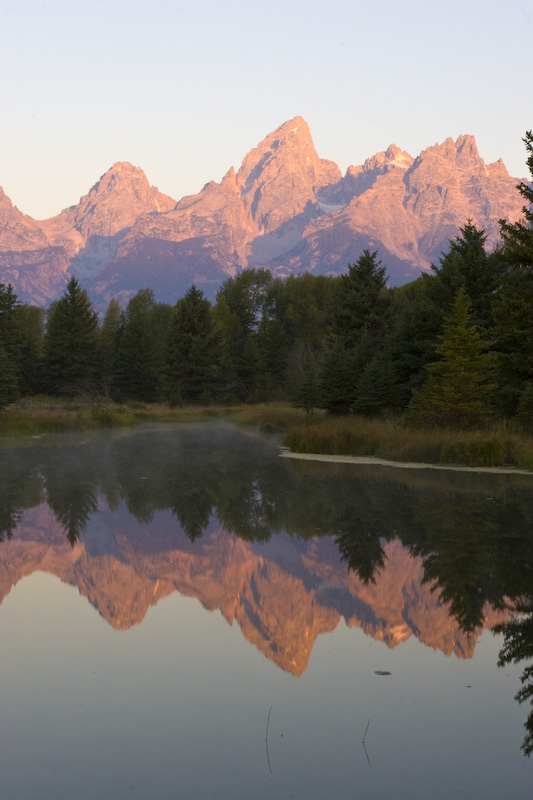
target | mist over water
x=162, y=588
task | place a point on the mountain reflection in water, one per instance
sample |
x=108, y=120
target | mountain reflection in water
x=285, y=548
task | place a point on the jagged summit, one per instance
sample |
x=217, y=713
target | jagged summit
x=280, y=176
x=116, y=200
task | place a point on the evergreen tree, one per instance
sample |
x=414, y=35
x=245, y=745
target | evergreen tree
x=513, y=331
x=376, y=390
x=8, y=378
x=337, y=382
x=272, y=349
x=239, y=311
x=416, y=323
x=193, y=351
x=138, y=372
x=513, y=338
x=362, y=300
x=518, y=237
x=456, y=393
x=30, y=321
x=70, y=342
x=108, y=344
x=525, y=407
x=308, y=395
x=10, y=344
x=467, y=264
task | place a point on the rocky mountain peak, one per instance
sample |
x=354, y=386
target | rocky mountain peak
x=280, y=176
x=392, y=158
x=115, y=201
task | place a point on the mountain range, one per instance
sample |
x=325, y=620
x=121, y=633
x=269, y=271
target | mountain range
x=284, y=208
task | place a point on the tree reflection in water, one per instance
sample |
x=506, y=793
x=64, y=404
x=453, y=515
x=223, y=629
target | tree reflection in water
x=472, y=532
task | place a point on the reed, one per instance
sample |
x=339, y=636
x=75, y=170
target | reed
x=40, y=415
x=393, y=439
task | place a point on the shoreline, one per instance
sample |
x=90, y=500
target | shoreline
x=381, y=462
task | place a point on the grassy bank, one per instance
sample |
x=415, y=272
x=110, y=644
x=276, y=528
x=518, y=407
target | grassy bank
x=37, y=415
x=390, y=439
x=34, y=416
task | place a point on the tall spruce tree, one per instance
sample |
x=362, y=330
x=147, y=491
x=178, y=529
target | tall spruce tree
x=518, y=237
x=193, y=351
x=108, y=344
x=239, y=311
x=362, y=301
x=467, y=264
x=457, y=391
x=9, y=345
x=139, y=364
x=70, y=342
x=513, y=328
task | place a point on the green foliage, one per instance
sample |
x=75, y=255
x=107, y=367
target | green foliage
x=518, y=237
x=362, y=301
x=467, y=265
x=70, y=342
x=194, y=351
x=108, y=344
x=376, y=389
x=525, y=407
x=458, y=389
x=337, y=380
x=139, y=364
x=307, y=395
x=8, y=378
x=513, y=338
x=240, y=305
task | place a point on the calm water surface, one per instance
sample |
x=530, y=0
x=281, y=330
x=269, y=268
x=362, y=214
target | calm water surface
x=185, y=614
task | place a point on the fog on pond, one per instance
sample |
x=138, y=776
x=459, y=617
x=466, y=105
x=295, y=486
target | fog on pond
x=400, y=601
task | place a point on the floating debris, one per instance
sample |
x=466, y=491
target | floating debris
x=382, y=672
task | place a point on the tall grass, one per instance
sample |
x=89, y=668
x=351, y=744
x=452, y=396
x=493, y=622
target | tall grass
x=38, y=415
x=393, y=440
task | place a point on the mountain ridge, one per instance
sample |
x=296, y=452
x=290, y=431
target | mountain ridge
x=284, y=208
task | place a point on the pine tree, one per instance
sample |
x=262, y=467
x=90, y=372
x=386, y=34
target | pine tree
x=513, y=329
x=518, y=237
x=108, y=344
x=376, y=390
x=467, y=264
x=193, y=351
x=239, y=311
x=457, y=391
x=70, y=342
x=337, y=380
x=8, y=378
x=307, y=395
x=362, y=301
x=9, y=345
x=138, y=369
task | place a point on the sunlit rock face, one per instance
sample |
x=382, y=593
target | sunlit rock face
x=283, y=594
x=284, y=208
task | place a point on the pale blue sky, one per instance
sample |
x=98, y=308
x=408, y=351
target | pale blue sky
x=185, y=90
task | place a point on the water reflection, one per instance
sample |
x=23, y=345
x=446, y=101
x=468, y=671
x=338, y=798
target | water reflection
x=439, y=556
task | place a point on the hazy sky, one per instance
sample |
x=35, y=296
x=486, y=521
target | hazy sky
x=185, y=89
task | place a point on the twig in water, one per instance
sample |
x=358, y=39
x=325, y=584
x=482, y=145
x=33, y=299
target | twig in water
x=268, y=723
x=266, y=741
x=367, y=727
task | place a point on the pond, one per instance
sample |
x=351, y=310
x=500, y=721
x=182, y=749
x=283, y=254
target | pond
x=183, y=613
